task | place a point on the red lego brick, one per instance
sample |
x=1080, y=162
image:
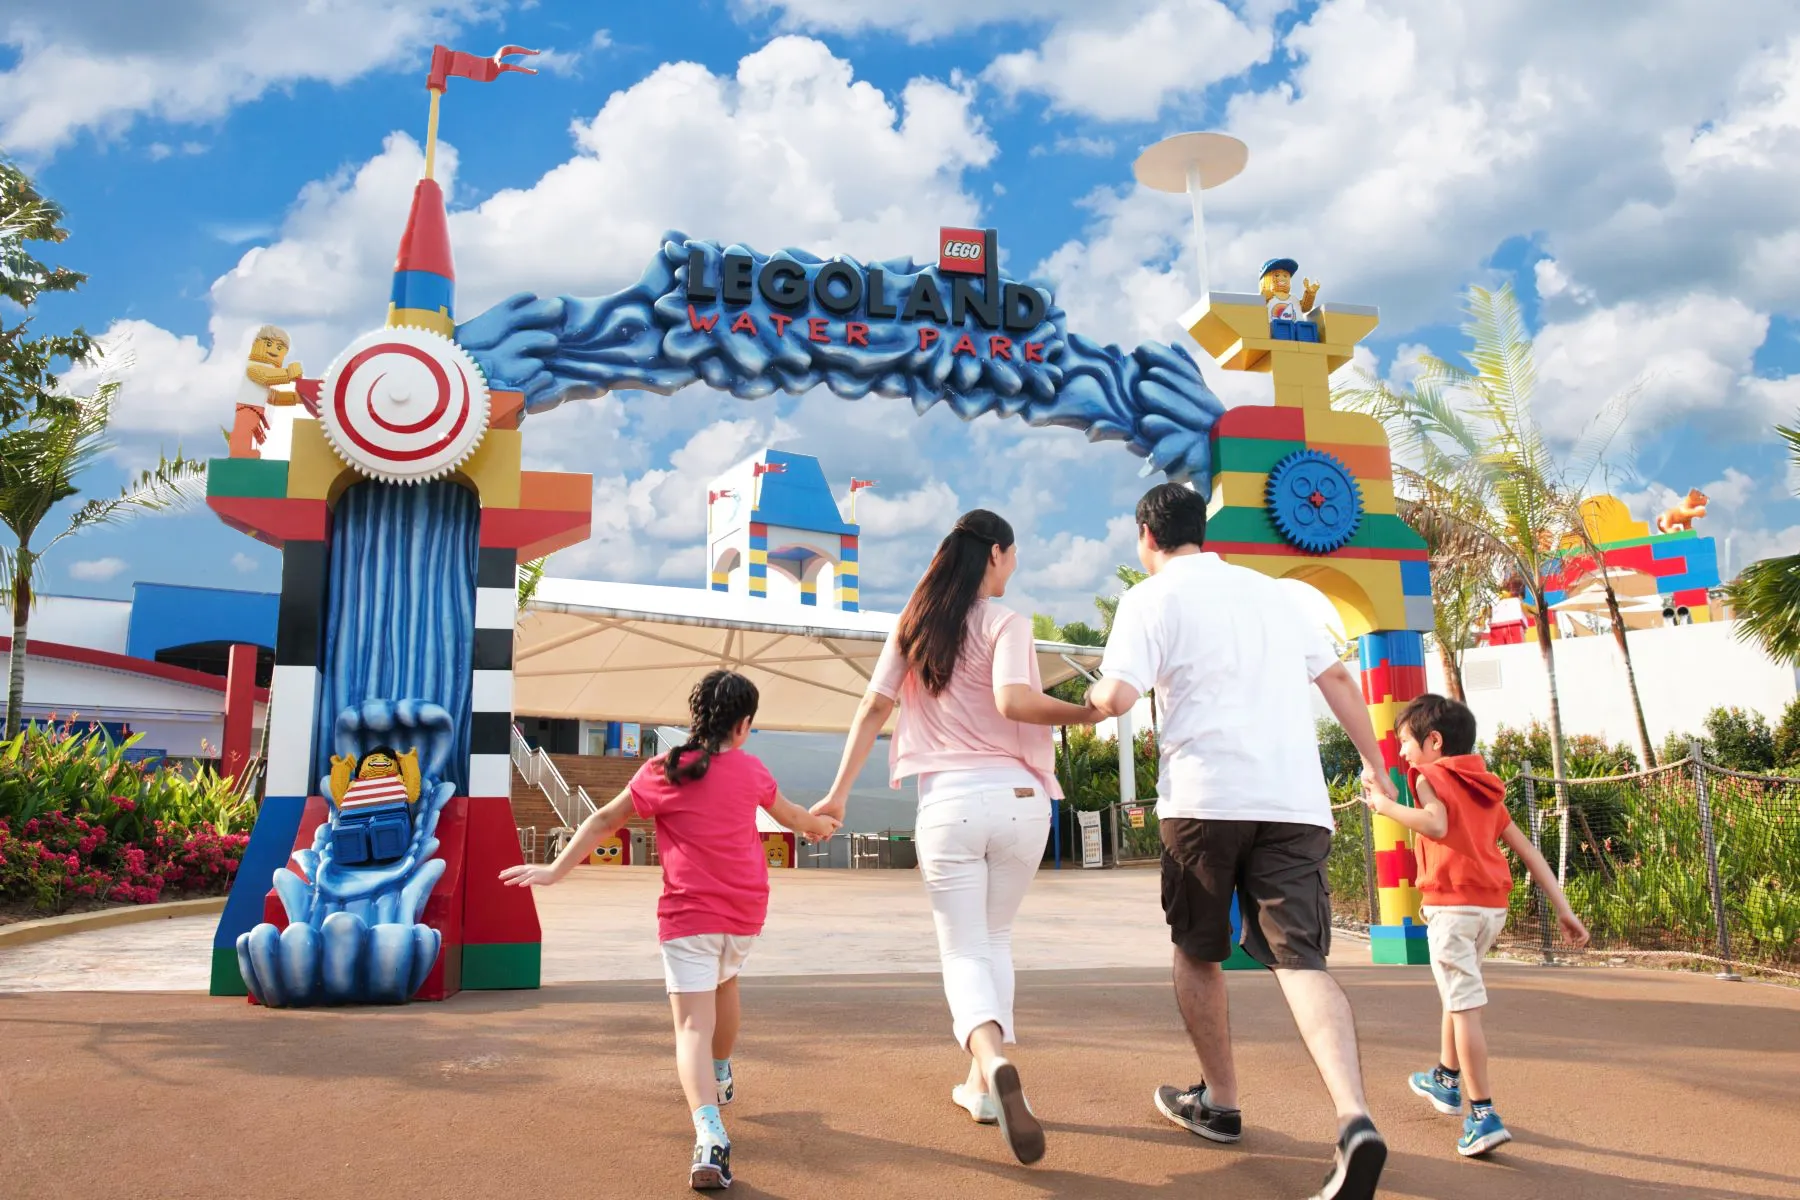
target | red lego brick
x=273, y=521
x=1394, y=866
x=1377, y=682
x=1408, y=683
x=316, y=813
x=1691, y=597
x=533, y=532
x=443, y=911
x=1263, y=421
x=493, y=912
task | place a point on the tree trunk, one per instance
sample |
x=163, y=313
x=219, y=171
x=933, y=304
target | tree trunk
x=1452, y=671
x=1645, y=754
x=1557, y=759
x=15, y=683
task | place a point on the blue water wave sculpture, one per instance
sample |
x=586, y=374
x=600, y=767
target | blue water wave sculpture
x=653, y=337
x=354, y=934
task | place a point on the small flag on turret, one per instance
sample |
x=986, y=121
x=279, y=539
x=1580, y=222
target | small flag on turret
x=857, y=485
x=446, y=63
x=758, y=470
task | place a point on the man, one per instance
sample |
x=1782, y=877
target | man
x=1243, y=807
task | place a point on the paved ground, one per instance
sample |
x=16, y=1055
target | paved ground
x=1618, y=1083
x=600, y=925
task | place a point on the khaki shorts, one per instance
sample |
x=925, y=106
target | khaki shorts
x=1459, y=939
x=703, y=961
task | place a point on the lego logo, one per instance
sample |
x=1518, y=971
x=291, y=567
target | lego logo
x=968, y=250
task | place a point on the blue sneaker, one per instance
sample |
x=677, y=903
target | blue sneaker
x=1482, y=1131
x=1446, y=1098
x=727, y=1087
x=711, y=1169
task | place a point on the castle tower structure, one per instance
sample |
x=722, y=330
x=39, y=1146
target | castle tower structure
x=775, y=512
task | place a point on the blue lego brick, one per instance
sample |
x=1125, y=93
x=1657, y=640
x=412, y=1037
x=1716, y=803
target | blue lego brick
x=759, y=570
x=421, y=289
x=1407, y=931
x=847, y=554
x=1415, y=578
x=1396, y=647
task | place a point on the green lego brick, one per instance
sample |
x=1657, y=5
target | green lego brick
x=500, y=966
x=1242, y=524
x=1680, y=535
x=1385, y=531
x=1240, y=960
x=248, y=478
x=1399, y=952
x=226, y=980
x=1251, y=454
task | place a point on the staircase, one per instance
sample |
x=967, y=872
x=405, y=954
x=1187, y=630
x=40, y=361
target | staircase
x=559, y=791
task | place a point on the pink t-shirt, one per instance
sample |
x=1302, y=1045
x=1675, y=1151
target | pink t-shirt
x=961, y=728
x=715, y=871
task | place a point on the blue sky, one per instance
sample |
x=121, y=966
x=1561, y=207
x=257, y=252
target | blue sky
x=225, y=164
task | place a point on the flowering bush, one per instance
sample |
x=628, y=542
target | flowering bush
x=79, y=821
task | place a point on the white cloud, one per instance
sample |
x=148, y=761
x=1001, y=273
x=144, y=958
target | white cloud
x=90, y=64
x=96, y=570
x=1115, y=69
x=601, y=40
x=243, y=564
x=1092, y=147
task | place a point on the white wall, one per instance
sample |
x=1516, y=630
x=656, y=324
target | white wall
x=79, y=621
x=1683, y=672
x=180, y=720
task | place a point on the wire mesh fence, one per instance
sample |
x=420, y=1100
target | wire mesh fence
x=1689, y=863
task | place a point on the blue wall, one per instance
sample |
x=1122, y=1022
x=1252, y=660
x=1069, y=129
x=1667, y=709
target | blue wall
x=166, y=615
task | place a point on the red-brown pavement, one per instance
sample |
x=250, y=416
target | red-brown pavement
x=1616, y=1083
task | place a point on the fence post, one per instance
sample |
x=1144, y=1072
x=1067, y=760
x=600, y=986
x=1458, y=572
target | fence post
x=1536, y=816
x=1370, y=877
x=1698, y=754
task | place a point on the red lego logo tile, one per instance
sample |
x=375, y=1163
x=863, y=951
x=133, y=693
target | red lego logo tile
x=1393, y=866
x=962, y=251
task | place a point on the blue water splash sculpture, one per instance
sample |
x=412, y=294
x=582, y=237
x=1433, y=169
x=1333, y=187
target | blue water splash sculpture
x=647, y=338
x=354, y=934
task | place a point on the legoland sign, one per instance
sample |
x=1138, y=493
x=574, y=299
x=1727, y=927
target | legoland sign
x=963, y=302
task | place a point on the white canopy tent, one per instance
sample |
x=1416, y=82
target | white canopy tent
x=632, y=652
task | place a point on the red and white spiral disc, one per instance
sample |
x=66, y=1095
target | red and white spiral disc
x=404, y=405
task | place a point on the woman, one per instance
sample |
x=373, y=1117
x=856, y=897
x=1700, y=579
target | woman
x=975, y=728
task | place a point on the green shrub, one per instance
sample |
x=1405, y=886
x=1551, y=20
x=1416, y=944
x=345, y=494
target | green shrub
x=1739, y=740
x=1586, y=755
x=1787, y=736
x=1338, y=755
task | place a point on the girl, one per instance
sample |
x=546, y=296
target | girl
x=703, y=795
x=975, y=729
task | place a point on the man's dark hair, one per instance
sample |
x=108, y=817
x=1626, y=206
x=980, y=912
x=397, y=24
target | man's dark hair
x=1451, y=719
x=1175, y=515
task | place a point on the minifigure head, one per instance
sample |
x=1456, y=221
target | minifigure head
x=610, y=852
x=270, y=345
x=1278, y=276
x=1433, y=727
x=378, y=763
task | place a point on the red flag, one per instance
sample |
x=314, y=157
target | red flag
x=768, y=469
x=715, y=497
x=446, y=62
x=857, y=485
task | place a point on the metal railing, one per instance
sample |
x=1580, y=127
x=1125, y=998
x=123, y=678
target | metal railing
x=535, y=767
x=528, y=843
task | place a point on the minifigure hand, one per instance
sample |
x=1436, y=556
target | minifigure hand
x=1311, y=285
x=293, y=370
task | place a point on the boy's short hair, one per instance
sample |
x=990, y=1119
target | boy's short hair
x=1175, y=515
x=1450, y=719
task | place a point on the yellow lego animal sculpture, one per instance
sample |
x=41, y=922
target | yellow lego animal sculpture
x=1683, y=513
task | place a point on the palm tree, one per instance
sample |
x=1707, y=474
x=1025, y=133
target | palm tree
x=1765, y=597
x=1576, y=526
x=42, y=456
x=1476, y=463
x=1109, y=605
x=530, y=575
x=26, y=380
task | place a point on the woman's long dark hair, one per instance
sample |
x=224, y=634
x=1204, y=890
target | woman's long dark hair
x=931, y=629
x=717, y=704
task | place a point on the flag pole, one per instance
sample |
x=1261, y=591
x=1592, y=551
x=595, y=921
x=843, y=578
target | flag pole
x=431, y=128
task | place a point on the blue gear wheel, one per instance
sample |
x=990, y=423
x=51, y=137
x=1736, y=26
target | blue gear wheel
x=1314, y=501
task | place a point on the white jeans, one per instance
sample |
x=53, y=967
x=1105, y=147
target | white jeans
x=977, y=853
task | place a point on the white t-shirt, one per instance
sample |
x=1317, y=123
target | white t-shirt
x=1232, y=659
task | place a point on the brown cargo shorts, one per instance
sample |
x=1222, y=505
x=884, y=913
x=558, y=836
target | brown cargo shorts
x=1276, y=869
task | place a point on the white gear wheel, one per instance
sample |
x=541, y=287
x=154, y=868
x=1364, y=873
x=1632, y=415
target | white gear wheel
x=404, y=405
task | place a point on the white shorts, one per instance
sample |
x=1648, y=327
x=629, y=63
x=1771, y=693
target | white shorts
x=1459, y=938
x=700, y=962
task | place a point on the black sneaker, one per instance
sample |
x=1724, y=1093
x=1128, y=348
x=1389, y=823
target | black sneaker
x=712, y=1166
x=1361, y=1154
x=1190, y=1110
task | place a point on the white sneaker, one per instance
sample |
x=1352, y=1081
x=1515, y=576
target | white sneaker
x=979, y=1105
x=1018, y=1124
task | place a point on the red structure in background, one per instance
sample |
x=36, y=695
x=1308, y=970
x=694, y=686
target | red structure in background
x=240, y=710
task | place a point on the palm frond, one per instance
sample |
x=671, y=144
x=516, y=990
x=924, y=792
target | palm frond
x=1766, y=599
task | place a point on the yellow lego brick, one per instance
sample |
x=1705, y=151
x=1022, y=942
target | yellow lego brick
x=1341, y=326
x=438, y=321
x=1345, y=428
x=849, y=595
x=1398, y=904
x=759, y=556
x=1240, y=489
x=1219, y=325
x=1365, y=591
x=315, y=472
x=1378, y=496
x=493, y=469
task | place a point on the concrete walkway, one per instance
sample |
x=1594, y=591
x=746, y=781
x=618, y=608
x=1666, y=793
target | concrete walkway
x=600, y=925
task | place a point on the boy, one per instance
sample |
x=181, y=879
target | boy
x=703, y=795
x=1465, y=883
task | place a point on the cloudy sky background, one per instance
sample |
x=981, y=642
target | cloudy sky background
x=1631, y=169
